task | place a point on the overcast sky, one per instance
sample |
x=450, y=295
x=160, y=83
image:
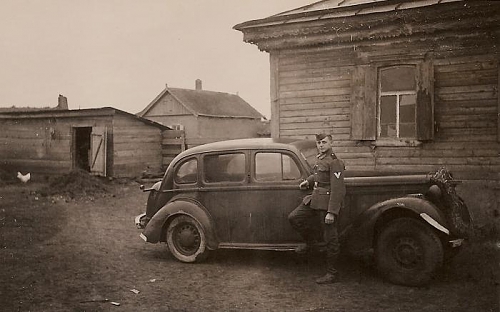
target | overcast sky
x=121, y=53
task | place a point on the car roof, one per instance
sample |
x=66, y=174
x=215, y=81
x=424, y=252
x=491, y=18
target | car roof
x=241, y=144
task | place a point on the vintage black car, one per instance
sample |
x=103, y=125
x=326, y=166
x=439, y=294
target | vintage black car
x=238, y=194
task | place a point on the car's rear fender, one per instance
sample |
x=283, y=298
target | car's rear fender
x=364, y=229
x=154, y=231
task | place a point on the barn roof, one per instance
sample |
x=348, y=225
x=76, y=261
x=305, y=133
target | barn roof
x=208, y=103
x=74, y=113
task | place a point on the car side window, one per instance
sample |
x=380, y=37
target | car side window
x=187, y=172
x=275, y=167
x=224, y=167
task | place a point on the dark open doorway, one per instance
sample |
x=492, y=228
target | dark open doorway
x=82, y=147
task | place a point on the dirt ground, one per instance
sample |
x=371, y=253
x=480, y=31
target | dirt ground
x=80, y=251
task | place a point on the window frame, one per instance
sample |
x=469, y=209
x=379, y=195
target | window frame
x=281, y=154
x=179, y=165
x=364, y=103
x=292, y=156
x=245, y=169
x=398, y=95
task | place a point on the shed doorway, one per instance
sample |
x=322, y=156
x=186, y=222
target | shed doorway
x=90, y=149
x=82, y=147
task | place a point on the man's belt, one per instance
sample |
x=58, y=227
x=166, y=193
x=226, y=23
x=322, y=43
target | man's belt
x=322, y=184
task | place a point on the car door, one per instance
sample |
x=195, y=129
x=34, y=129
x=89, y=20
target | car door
x=249, y=195
x=225, y=177
x=274, y=191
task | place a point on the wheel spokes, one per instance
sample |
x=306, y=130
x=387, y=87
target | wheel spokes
x=407, y=252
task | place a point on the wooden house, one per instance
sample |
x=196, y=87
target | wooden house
x=205, y=116
x=403, y=86
x=104, y=141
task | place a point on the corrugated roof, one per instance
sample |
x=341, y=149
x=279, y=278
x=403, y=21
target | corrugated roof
x=209, y=103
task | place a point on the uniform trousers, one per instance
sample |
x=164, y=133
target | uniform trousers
x=307, y=221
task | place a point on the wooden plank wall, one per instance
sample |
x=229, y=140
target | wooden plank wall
x=137, y=147
x=41, y=145
x=314, y=96
x=173, y=142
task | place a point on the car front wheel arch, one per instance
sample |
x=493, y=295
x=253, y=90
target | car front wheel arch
x=186, y=239
x=408, y=252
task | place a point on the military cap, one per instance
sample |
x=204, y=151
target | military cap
x=321, y=136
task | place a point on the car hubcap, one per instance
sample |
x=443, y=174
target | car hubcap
x=187, y=238
x=407, y=252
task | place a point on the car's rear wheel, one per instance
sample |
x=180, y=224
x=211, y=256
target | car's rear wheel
x=408, y=252
x=186, y=239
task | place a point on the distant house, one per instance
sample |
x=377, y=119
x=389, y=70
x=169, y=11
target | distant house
x=403, y=86
x=103, y=141
x=205, y=116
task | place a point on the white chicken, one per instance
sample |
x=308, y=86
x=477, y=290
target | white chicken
x=24, y=177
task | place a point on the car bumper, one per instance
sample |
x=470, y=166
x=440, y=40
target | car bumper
x=456, y=243
x=141, y=221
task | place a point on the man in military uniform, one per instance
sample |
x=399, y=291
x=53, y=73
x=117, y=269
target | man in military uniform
x=323, y=206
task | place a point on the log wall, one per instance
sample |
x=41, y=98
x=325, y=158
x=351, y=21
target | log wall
x=314, y=95
x=313, y=91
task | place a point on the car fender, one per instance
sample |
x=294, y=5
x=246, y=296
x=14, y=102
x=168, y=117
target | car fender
x=362, y=233
x=180, y=206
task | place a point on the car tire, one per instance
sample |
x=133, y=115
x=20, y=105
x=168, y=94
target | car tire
x=408, y=252
x=186, y=240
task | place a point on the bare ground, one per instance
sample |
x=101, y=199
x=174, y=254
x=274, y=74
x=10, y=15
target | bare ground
x=62, y=251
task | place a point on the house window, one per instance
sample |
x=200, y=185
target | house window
x=176, y=127
x=393, y=104
x=397, y=99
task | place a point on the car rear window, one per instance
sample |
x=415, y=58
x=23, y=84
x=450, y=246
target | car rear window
x=228, y=167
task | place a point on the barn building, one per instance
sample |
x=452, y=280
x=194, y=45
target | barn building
x=104, y=141
x=205, y=116
x=403, y=86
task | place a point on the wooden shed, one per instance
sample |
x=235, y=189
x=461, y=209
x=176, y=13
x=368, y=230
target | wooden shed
x=104, y=141
x=403, y=86
x=205, y=116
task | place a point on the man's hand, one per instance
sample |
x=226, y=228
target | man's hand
x=330, y=218
x=304, y=185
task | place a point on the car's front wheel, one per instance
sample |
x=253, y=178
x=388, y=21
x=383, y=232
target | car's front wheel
x=186, y=239
x=408, y=252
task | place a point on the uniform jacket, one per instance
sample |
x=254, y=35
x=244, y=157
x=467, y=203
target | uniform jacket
x=327, y=181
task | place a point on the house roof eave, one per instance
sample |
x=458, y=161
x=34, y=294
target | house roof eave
x=376, y=6
x=77, y=113
x=378, y=26
x=158, y=97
